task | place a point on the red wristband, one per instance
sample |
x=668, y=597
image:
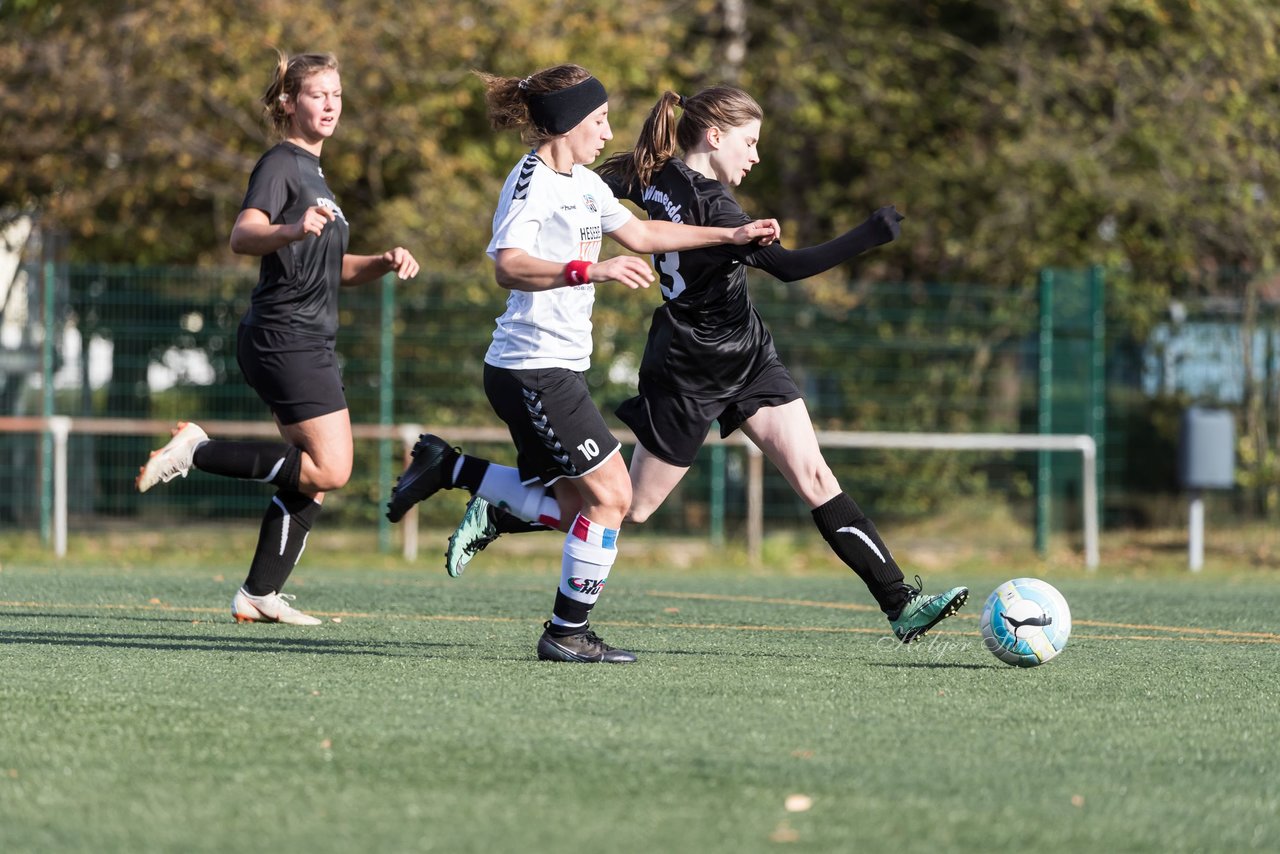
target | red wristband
x=575, y=272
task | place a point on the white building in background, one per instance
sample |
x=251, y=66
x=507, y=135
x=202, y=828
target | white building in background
x=22, y=337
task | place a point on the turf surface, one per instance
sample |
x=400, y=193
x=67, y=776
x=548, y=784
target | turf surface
x=138, y=717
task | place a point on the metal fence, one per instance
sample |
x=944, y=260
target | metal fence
x=158, y=344
x=58, y=430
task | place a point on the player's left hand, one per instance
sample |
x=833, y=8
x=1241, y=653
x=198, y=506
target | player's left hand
x=765, y=231
x=401, y=262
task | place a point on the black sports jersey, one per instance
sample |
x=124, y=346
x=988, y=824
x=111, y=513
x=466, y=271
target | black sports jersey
x=706, y=338
x=298, y=284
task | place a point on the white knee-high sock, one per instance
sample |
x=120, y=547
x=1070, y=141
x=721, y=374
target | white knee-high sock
x=501, y=487
x=590, y=550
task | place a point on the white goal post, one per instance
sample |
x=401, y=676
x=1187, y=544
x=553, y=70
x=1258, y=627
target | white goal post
x=1076, y=443
x=60, y=428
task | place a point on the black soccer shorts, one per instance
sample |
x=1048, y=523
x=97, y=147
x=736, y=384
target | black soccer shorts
x=297, y=376
x=557, y=430
x=673, y=426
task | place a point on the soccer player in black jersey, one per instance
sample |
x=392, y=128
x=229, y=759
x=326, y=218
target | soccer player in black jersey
x=285, y=344
x=709, y=356
x=552, y=215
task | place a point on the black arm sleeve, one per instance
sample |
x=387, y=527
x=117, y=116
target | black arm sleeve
x=790, y=265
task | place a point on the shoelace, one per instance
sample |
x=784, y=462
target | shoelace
x=589, y=636
x=479, y=544
x=594, y=639
x=173, y=466
x=285, y=604
x=170, y=472
x=913, y=592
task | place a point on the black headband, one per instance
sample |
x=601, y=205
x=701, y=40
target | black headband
x=560, y=111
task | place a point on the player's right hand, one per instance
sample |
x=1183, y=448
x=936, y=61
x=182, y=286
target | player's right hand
x=313, y=222
x=627, y=269
x=765, y=231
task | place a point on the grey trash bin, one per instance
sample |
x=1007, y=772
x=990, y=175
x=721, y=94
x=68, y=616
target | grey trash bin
x=1207, y=451
x=1206, y=460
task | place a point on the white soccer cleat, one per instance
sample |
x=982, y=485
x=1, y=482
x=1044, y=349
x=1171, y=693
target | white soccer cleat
x=174, y=459
x=272, y=608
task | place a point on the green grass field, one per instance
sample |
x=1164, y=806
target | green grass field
x=138, y=717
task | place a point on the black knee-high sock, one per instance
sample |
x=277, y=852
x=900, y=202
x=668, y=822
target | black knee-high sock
x=854, y=539
x=280, y=541
x=507, y=522
x=269, y=462
x=470, y=473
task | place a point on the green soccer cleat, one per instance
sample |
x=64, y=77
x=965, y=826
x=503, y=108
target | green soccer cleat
x=476, y=530
x=922, y=613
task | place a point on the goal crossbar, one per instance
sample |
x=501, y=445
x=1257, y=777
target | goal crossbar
x=1081, y=444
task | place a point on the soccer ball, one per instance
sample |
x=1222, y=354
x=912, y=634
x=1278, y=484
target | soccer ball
x=1025, y=622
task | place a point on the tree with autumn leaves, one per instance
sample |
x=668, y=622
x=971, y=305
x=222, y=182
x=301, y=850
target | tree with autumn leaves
x=1015, y=134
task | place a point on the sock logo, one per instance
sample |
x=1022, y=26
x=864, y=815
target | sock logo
x=849, y=529
x=587, y=586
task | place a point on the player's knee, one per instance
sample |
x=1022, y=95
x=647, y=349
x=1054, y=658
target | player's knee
x=616, y=497
x=330, y=477
x=330, y=484
x=619, y=503
x=638, y=513
x=818, y=481
x=824, y=479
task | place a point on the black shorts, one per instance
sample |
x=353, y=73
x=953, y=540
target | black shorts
x=297, y=376
x=672, y=426
x=557, y=430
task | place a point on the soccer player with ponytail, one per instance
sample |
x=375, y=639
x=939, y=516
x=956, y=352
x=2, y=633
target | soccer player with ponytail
x=709, y=356
x=285, y=343
x=551, y=217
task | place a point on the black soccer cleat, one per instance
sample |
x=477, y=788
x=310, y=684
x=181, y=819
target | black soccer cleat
x=430, y=470
x=583, y=645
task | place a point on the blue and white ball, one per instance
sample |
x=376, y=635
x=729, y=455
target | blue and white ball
x=1025, y=622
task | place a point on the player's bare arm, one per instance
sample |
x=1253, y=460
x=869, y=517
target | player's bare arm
x=255, y=234
x=360, y=269
x=519, y=271
x=652, y=236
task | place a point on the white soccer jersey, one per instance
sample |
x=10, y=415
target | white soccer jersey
x=559, y=218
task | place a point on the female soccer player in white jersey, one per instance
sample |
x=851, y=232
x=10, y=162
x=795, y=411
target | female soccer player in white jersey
x=709, y=356
x=285, y=343
x=551, y=217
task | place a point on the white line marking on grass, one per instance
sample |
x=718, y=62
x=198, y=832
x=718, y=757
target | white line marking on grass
x=1180, y=633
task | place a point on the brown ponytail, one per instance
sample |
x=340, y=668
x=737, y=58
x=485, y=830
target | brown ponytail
x=662, y=136
x=654, y=147
x=508, y=97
